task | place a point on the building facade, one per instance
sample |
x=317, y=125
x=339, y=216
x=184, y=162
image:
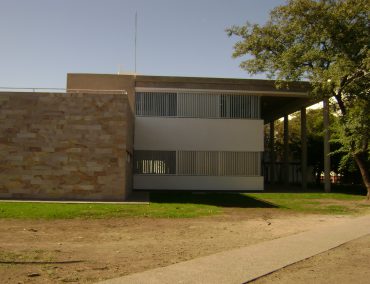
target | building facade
x=198, y=133
x=110, y=134
x=197, y=140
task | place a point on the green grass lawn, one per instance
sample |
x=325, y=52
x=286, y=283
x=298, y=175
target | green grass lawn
x=321, y=203
x=188, y=205
x=68, y=211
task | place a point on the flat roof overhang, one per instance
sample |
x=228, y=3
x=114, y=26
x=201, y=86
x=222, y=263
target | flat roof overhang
x=275, y=102
x=273, y=107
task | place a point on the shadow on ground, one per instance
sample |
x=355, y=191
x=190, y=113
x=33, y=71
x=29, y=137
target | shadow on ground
x=352, y=189
x=216, y=199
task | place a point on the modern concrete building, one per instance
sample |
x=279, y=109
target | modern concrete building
x=152, y=133
x=199, y=133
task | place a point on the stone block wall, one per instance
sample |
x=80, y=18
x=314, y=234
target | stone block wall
x=70, y=146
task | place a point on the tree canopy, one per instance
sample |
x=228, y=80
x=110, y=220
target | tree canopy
x=327, y=43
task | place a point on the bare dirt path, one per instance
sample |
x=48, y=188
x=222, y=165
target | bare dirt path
x=349, y=263
x=110, y=248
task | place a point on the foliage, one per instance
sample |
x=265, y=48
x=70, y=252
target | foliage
x=354, y=134
x=327, y=43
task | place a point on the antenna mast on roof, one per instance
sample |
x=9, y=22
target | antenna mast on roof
x=135, y=38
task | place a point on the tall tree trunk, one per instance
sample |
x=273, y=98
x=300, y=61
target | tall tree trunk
x=359, y=158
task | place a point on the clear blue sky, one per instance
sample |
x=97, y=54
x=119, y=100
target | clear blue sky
x=42, y=40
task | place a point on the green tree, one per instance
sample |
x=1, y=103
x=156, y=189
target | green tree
x=327, y=43
x=353, y=135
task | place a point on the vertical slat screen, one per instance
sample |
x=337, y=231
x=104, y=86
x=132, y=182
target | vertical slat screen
x=214, y=163
x=155, y=162
x=198, y=163
x=197, y=105
x=156, y=104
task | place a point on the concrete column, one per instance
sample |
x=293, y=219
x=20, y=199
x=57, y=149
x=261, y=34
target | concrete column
x=304, y=147
x=286, y=151
x=272, y=152
x=327, y=183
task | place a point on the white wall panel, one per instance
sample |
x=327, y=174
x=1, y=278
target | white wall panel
x=156, y=133
x=168, y=182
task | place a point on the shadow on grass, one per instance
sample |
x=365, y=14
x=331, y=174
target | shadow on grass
x=349, y=189
x=313, y=188
x=212, y=198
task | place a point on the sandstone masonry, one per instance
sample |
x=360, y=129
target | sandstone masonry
x=65, y=146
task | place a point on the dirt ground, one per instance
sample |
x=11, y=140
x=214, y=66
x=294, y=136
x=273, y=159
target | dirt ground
x=86, y=251
x=349, y=263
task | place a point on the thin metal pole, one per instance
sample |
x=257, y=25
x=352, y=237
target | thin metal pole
x=135, y=39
